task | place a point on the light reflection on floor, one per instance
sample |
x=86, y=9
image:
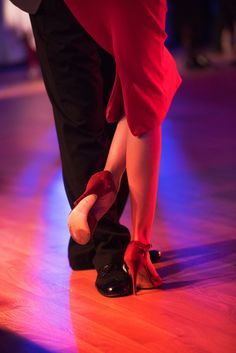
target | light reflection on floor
x=194, y=225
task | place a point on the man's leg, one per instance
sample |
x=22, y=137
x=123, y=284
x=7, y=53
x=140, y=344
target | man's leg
x=71, y=66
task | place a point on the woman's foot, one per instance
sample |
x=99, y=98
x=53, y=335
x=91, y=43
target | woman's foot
x=141, y=269
x=89, y=208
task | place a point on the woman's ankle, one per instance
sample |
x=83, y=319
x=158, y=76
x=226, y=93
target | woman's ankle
x=141, y=239
x=117, y=176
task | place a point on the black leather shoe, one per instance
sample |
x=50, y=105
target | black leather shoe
x=113, y=281
x=155, y=255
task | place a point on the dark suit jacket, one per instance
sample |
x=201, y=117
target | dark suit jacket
x=30, y=6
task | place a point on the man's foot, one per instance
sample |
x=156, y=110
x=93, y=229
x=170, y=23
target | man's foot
x=155, y=255
x=113, y=281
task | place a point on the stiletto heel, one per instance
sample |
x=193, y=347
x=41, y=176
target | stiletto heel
x=83, y=223
x=141, y=270
x=133, y=271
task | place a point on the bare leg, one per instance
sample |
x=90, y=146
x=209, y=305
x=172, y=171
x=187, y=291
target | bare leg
x=115, y=163
x=143, y=161
x=116, y=160
x=142, y=164
x=78, y=219
x=141, y=157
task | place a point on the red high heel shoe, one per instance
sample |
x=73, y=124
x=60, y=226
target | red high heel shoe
x=141, y=269
x=82, y=225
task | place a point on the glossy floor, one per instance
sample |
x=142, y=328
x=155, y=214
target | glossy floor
x=45, y=307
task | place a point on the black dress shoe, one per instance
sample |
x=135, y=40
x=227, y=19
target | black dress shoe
x=113, y=281
x=155, y=256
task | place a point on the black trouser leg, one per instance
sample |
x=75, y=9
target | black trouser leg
x=74, y=76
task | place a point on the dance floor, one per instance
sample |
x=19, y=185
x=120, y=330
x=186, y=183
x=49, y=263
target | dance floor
x=47, y=308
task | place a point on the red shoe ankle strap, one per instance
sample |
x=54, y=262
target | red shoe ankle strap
x=141, y=245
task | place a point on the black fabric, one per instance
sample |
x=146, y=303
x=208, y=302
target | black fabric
x=30, y=6
x=78, y=76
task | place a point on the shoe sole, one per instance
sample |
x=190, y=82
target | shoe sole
x=79, y=228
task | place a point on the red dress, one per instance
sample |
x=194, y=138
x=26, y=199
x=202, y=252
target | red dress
x=133, y=31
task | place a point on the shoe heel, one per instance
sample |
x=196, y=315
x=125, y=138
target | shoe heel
x=140, y=267
x=82, y=225
x=133, y=271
